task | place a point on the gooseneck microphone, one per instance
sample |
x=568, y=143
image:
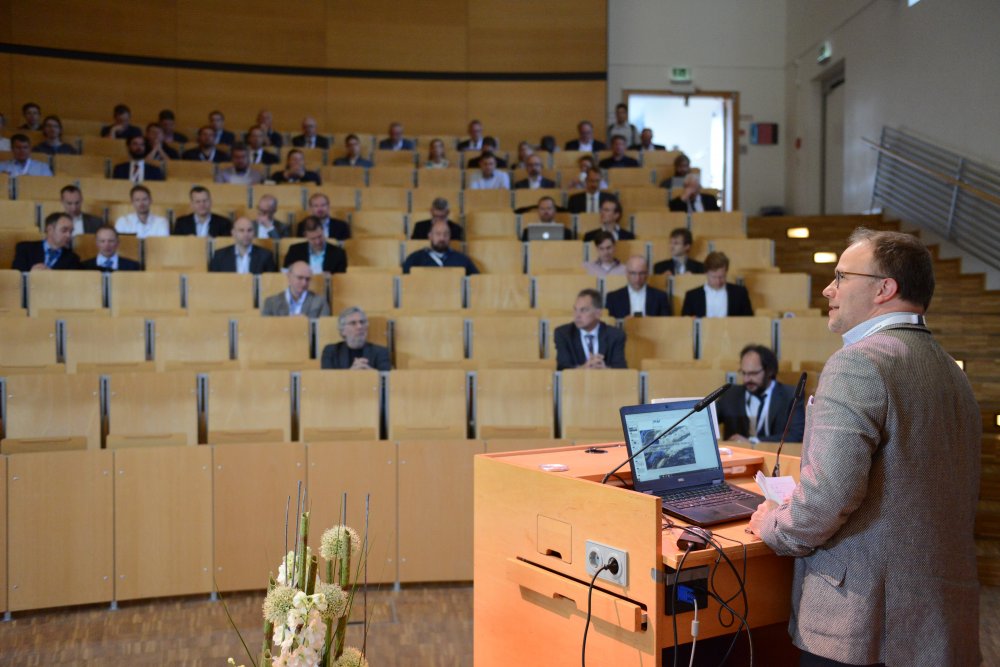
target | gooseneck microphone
x=800, y=389
x=698, y=407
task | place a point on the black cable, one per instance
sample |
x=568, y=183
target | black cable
x=740, y=592
x=586, y=627
x=673, y=598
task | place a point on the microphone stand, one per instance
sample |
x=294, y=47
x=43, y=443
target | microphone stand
x=799, y=390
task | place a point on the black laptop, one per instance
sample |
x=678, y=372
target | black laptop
x=684, y=468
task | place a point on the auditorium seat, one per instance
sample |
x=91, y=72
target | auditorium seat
x=683, y=382
x=514, y=403
x=65, y=293
x=429, y=338
x=274, y=343
x=722, y=338
x=496, y=255
x=105, y=146
x=188, y=254
x=19, y=214
x=634, y=177
x=152, y=409
x=315, y=158
x=662, y=160
x=505, y=339
x=499, y=291
x=625, y=250
x=373, y=252
x=427, y=404
x=393, y=176
x=352, y=177
x=638, y=198
x=393, y=198
x=719, y=224
x=339, y=406
x=191, y=170
x=568, y=159
x=11, y=292
x=524, y=197
x=99, y=188
x=49, y=412
x=370, y=291
x=340, y=196
x=379, y=223
x=589, y=401
x=411, y=246
x=440, y=179
x=745, y=253
x=422, y=198
x=149, y=294
x=485, y=200
x=681, y=285
x=386, y=158
x=555, y=257
x=249, y=406
x=556, y=292
x=652, y=224
x=658, y=338
x=781, y=292
x=198, y=342
x=500, y=224
x=232, y=195
x=437, y=289
x=86, y=166
x=29, y=346
x=105, y=345
x=286, y=194
x=806, y=339
x=31, y=188
x=219, y=293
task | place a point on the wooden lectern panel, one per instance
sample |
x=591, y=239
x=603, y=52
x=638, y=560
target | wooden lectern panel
x=3, y=534
x=60, y=529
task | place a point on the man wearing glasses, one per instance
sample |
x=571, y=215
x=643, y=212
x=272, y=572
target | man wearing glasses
x=881, y=522
x=355, y=352
x=756, y=411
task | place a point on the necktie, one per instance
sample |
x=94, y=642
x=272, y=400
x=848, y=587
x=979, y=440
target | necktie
x=135, y=172
x=756, y=426
x=107, y=264
x=592, y=208
x=51, y=256
x=590, y=345
x=256, y=157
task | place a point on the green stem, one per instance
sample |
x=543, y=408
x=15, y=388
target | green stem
x=345, y=581
x=300, y=567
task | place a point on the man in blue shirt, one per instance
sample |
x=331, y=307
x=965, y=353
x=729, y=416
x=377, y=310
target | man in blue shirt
x=53, y=252
x=22, y=164
x=439, y=253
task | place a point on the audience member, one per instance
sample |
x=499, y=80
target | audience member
x=693, y=199
x=52, y=252
x=240, y=172
x=108, y=260
x=436, y=156
x=53, y=143
x=265, y=121
x=321, y=256
x=355, y=352
x=4, y=141
x=352, y=158
x=136, y=169
x=141, y=221
x=546, y=210
x=548, y=144
x=682, y=167
x=206, y=151
x=295, y=170
x=256, y=141
x=32, y=114
x=585, y=139
x=475, y=140
x=717, y=298
x=243, y=256
x=319, y=208
x=586, y=163
x=591, y=199
x=309, y=138
x=611, y=215
x=201, y=221
x=296, y=299
x=168, y=123
x=217, y=121
x=618, y=158
x=524, y=151
x=72, y=202
x=488, y=178
x=395, y=140
x=122, y=128
x=22, y=164
x=586, y=342
x=680, y=261
x=439, y=253
x=621, y=127
x=646, y=142
x=637, y=298
x=535, y=180
x=756, y=411
x=606, y=264
x=265, y=226
x=489, y=148
x=439, y=213
x=156, y=150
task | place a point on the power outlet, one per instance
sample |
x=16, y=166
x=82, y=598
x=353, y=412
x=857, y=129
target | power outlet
x=599, y=555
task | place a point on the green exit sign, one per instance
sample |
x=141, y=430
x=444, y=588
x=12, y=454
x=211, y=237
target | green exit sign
x=680, y=74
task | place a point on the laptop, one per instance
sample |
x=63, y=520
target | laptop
x=545, y=231
x=684, y=468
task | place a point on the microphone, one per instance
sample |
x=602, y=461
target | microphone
x=698, y=407
x=800, y=389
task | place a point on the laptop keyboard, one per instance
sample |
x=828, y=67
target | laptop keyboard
x=700, y=497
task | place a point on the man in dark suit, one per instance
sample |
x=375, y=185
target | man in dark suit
x=611, y=215
x=201, y=221
x=255, y=146
x=646, y=142
x=475, y=140
x=618, y=158
x=122, y=128
x=439, y=252
x=352, y=158
x=717, y=298
x=137, y=169
x=243, y=256
x=546, y=211
x=156, y=149
x=206, y=150
x=296, y=299
x=355, y=352
x=107, y=259
x=295, y=170
x=756, y=410
x=265, y=226
x=590, y=200
x=585, y=140
x=439, y=213
x=693, y=199
x=637, y=298
x=395, y=140
x=489, y=148
x=52, y=252
x=220, y=134
x=309, y=138
x=322, y=257
x=265, y=121
x=535, y=180
x=587, y=342
x=679, y=262
x=319, y=208
x=72, y=203
x=168, y=123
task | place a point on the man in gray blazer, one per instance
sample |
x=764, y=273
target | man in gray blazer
x=297, y=299
x=355, y=352
x=882, y=520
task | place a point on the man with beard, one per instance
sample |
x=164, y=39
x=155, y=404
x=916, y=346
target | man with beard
x=756, y=411
x=136, y=169
x=355, y=352
x=439, y=253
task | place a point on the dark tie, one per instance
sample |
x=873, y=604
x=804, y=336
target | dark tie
x=760, y=411
x=590, y=345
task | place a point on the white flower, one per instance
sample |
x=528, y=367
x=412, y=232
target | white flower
x=335, y=598
x=289, y=564
x=351, y=658
x=277, y=604
x=335, y=542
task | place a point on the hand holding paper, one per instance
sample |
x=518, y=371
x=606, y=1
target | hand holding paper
x=777, y=489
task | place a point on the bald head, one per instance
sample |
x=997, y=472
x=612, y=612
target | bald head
x=299, y=275
x=637, y=271
x=243, y=233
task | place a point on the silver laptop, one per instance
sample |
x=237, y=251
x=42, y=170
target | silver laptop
x=545, y=231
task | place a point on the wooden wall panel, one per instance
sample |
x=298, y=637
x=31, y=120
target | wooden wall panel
x=526, y=110
x=3, y=534
x=424, y=107
x=8, y=107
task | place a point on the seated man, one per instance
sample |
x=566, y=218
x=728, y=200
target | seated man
x=72, y=202
x=352, y=158
x=265, y=226
x=32, y=114
x=546, y=210
x=682, y=167
x=717, y=298
x=201, y=221
x=22, y=164
x=586, y=342
x=206, y=150
x=439, y=213
x=319, y=208
x=142, y=222
x=243, y=256
x=156, y=149
x=168, y=123
x=756, y=411
x=618, y=157
x=488, y=178
x=296, y=299
x=611, y=214
x=439, y=253
x=108, y=260
x=322, y=257
x=590, y=200
x=637, y=298
x=122, y=128
x=621, y=127
x=489, y=148
x=240, y=172
x=355, y=352
x=309, y=138
x=136, y=169
x=585, y=139
x=395, y=140
x=693, y=199
x=680, y=262
x=475, y=140
x=52, y=252
x=295, y=170
x=646, y=142
x=217, y=121
x=265, y=121
x=535, y=180
x=53, y=143
x=606, y=264
x=256, y=140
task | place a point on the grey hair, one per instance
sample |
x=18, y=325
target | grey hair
x=440, y=204
x=344, y=314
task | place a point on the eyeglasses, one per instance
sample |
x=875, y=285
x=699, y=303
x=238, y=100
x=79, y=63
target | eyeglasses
x=839, y=275
x=756, y=372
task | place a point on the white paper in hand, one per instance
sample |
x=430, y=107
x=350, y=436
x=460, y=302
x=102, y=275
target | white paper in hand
x=777, y=489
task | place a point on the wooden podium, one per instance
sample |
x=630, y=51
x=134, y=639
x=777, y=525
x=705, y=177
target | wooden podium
x=531, y=582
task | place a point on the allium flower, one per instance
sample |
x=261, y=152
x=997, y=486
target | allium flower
x=351, y=658
x=335, y=541
x=289, y=564
x=336, y=599
x=278, y=603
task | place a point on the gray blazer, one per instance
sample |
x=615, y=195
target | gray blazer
x=277, y=305
x=882, y=520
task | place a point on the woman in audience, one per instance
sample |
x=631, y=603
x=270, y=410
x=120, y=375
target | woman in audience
x=605, y=265
x=295, y=170
x=435, y=156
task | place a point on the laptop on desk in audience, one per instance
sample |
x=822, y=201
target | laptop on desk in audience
x=684, y=468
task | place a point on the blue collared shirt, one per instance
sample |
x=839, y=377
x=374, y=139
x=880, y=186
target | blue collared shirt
x=55, y=258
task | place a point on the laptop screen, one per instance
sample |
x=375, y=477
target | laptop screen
x=685, y=457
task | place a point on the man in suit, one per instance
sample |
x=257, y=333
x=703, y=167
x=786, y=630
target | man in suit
x=682, y=167
x=295, y=170
x=243, y=256
x=611, y=215
x=355, y=352
x=296, y=299
x=136, y=169
x=32, y=114
x=439, y=252
x=535, y=180
x=586, y=342
x=122, y=128
x=240, y=172
x=475, y=140
x=618, y=158
x=53, y=143
x=692, y=199
x=108, y=260
x=756, y=411
x=206, y=151
x=439, y=213
x=221, y=135
x=309, y=138
x=646, y=142
x=353, y=156
x=680, y=262
x=319, y=208
x=322, y=257
x=156, y=149
x=395, y=140
x=881, y=523
x=637, y=298
x=168, y=123
x=256, y=141
x=590, y=200
x=585, y=139
x=546, y=210
x=71, y=199
x=489, y=148
x=201, y=221
x=265, y=226
x=717, y=298
x=52, y=252
x=265, y=121
x=22, y=164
